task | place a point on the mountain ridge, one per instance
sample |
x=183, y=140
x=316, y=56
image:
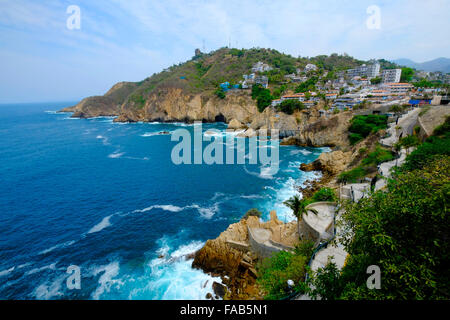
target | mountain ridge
x=441, y=64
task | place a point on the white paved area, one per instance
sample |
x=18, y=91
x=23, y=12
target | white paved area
x=406, y=122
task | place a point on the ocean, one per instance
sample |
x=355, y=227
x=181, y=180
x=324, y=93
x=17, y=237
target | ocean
x=107, y=198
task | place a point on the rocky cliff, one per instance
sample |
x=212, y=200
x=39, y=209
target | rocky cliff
x=231, y=257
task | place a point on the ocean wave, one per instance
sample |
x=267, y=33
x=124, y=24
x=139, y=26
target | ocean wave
x=172, y=277
x=156, y=133
x=104, y=139
x=205, y=212
x=106, y=280
x=47, y=291
x=58, y=246
x=102, y=225
x=7, y=271
x=116, y=155
x=37, y=270
x=302, y=151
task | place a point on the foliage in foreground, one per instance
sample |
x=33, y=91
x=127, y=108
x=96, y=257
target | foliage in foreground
x=362, y=126
x=274, y=272
x=405, y=232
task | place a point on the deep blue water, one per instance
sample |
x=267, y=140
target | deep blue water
x=107, y=198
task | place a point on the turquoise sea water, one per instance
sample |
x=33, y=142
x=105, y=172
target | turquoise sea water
x=107, y=198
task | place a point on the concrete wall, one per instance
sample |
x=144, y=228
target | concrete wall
x=308, y=232
x=264, y=249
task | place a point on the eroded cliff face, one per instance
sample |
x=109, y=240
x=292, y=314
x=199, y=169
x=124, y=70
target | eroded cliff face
x=106, y=105
x=172, y=104
x=315, y=131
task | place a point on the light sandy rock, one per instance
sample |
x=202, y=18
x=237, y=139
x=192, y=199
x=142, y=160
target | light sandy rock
x=235, y=124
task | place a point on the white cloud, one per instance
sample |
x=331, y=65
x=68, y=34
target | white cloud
x=129, y=40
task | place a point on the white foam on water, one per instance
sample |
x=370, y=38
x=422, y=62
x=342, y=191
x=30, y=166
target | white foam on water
x=58, y=246
x=106, y=280
x=47, y=291
x=116, y=155
x=102, y=225
x=302, y=151
x=156, y=133
x=104, y=139
x=172, y=277
x=205, y=212
x=6, y=272
x=36, y=270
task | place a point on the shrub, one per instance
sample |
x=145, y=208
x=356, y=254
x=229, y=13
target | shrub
x=362, y=126
x=324, y=194
x=378, y=156
x=252, y=212
x=353, y=175
x=220, y=93
x=403, y=231
x=289, y=106
x=431, y=148
x=355, y=138
x=262, y=96
x=274, y=272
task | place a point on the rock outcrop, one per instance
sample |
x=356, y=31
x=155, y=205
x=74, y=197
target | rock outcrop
x=329, y=162
x=231, y=257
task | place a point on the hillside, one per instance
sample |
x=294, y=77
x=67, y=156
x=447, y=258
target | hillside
x=186, y=92
x=439, y=64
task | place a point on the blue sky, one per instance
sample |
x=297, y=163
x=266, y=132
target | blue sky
x=128, y=40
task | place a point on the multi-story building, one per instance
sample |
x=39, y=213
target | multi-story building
x=391, y=75
x=365, y=71
x=398, y=88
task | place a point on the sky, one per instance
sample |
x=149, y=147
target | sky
x=42, y=60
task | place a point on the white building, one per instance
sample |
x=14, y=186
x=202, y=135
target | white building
x=261, y=67
x=392, y=75
x=365, y=71
x=311, y=67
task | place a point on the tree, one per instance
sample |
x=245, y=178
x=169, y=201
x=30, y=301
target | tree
x=404, y=232
x=264, y=100
x=298, y=206
x=407, y=74
x=375, y=80
x=220, y=93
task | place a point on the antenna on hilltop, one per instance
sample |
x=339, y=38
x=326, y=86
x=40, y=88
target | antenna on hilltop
x=203, y=48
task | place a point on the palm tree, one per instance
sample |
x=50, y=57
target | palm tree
x=298, y=206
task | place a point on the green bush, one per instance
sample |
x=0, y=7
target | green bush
x=362, y=126
x=433, y=147
x=355, y=138
x=378, y=156
x=353, y=175
x=289, y=106
x=252, y=212
x=262, y=96
x=274, y=272
x=220, y=93
x=405, y=232
x=324, y=194
x=307, y=85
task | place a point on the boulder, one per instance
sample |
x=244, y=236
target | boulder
x=235, y=124
x=219, y=289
